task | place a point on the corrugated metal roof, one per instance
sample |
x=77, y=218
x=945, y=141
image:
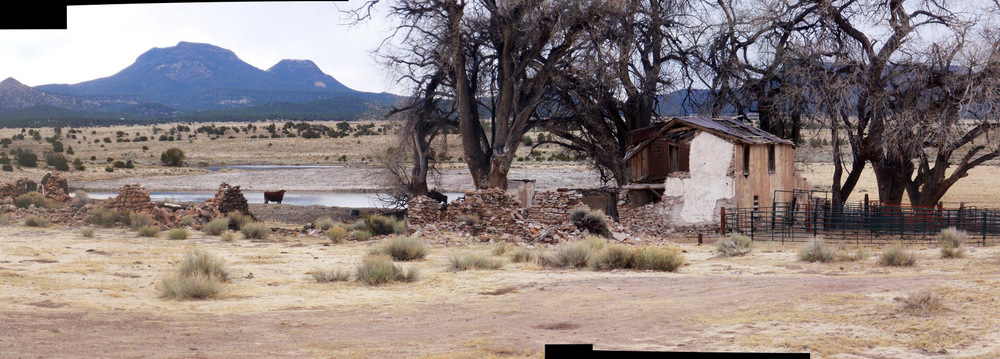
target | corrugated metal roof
x=726, y=128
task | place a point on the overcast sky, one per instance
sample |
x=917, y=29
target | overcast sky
x=101, y=40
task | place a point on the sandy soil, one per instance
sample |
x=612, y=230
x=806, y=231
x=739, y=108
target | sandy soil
x=69, y=296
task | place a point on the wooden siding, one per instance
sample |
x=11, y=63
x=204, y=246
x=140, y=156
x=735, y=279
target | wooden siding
x=760, y=182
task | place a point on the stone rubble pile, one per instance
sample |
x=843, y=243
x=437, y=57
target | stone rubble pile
x=493, y=214
x=229, y=199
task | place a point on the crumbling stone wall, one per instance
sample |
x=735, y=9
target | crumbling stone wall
x=553, y=207
x=55, y=188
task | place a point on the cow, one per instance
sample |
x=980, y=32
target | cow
x=275, y=196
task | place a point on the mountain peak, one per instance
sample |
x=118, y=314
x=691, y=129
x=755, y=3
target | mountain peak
x=11, y=82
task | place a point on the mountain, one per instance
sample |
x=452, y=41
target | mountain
x=195, y=76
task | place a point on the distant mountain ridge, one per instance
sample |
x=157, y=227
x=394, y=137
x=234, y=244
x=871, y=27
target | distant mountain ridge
x=186, y=79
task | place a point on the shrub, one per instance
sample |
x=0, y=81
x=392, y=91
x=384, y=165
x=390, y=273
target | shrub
x=897, y=255
x=228, y=236
x=384, y=225
x=187, y=221
x=78, y=164
x=403, y=249
x=80, y=198
x=199, y=276
x=570, y=254
x=87, y=232
x=237, y=219
x=255, y=230
x=35, y=221
x=104, y=217
x=178, y=233
x=923, y=302
x=32, y=198
x=216, y=226
x=734, y=245
x=332, y=275
x=325, y=223
x=658, y=259
x=951, y=241
x=523, y=255
x=172, y=157
x=613, y=256
x=591, y=221
x=379, y=269
x=148, y=231
x=138, y=220
x=198, y=261
x=336, y=234
x=817, y=251
x=363, y=235
x=460, y=262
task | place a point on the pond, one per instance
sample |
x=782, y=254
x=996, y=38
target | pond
x=329, y=199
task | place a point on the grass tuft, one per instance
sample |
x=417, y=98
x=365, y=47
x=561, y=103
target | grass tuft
x=817, y=251
x=522, y=255
x=952, y=242
x=403, y=249
x=255, y=230
x=379, y=270
x=148, y=231
x=336, y=234
x=325, y=223
x=177, y=233
x=199, y=276
x=574, y=254
x=331, y=275
x=734, y=245
x=87, y=232
x=460, y=262
x=898, y=255
x=33, y=220
x=216, y=226
x=923, y=303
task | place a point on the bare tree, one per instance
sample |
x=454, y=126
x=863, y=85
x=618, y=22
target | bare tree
x=615, y=88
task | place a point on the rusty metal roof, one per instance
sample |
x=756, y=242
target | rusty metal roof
x=727, y=128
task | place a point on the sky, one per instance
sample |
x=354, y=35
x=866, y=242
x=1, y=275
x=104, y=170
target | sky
x=101, y=40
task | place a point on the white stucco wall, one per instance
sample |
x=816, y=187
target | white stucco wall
x=708, y=183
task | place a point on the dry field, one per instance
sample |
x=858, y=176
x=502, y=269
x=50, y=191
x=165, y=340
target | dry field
x=66, y=295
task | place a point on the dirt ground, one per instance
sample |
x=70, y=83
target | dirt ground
x=69, y=296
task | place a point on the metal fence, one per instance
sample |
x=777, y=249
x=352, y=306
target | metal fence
x=862, y=222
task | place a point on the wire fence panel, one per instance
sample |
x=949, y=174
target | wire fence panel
x=802, y=221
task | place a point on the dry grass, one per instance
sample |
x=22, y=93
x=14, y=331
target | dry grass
x=177, y=233
x=199, y=276
x=734, y=245
x=33, y=220
x=255, y=230
x=466, y=261
x=403, y=249
x=952, y=242
x=380, y=270
x=216, y=226
x=330, y=275
x=898, y=255
x=817, y=251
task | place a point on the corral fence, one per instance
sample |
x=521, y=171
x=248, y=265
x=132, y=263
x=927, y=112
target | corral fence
x=808, y=216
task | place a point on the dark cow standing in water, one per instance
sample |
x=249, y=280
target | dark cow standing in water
x=276, y=196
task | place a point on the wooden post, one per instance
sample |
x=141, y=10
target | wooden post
x=722, y=230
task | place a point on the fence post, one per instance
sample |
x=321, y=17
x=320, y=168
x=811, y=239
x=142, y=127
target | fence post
x=722, y=229
x=984, y=227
